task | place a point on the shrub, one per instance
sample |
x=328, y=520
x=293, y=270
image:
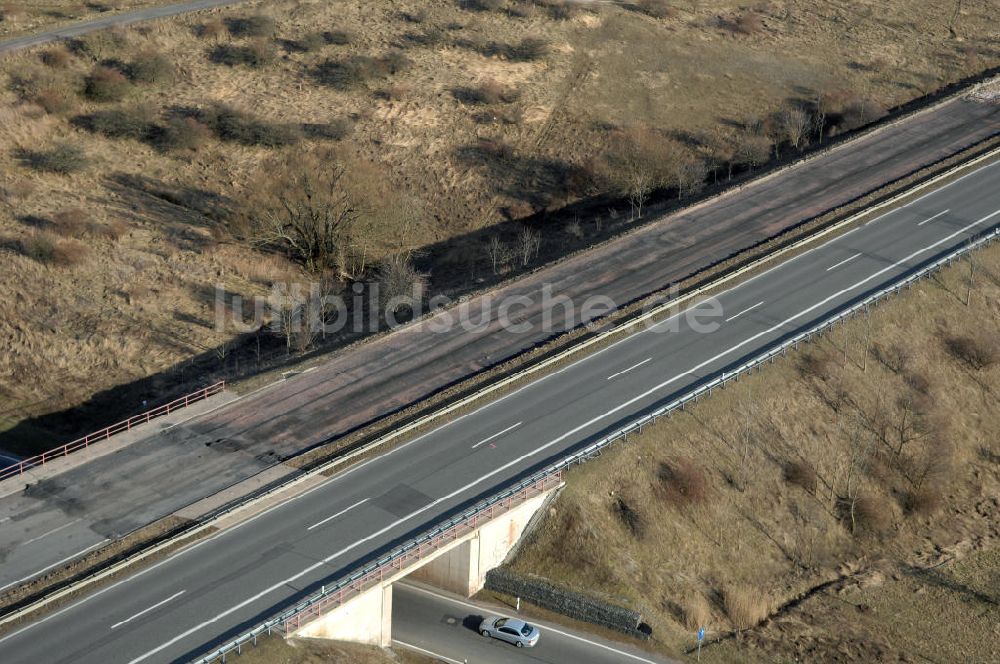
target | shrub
x=334, y=130
x=337, y=37
x=801, y=474
x=179, y=133
x=748, y=23
x=232, y=125
x=72, y=222
x=256, y=25
x=48, y=250
x=977, y=352
x=55, y=100
x=657, y=8
x=358, y=69
x=481, y=5
x=681, y=482
x=870, y=514
x=812, y=365
x=213, y=29
x=629, y=517
x=105, y=84
x=923, y=501
x=40, y=247
x=696, y=611
x=257, y=54
x=489, y=92
x=150, y=67
x=62, y=158
x=310, y=42
x=116, y=123
x=57, y=58
x=528, y=49
x=746, y=607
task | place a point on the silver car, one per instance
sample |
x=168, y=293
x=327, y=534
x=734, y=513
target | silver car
x=512, y=630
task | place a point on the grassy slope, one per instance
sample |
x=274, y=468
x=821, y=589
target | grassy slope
x=276, y=650
x=755, y=534
x=137, y=305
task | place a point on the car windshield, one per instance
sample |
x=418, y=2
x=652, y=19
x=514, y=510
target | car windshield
x=500, y=623
x=526, y=630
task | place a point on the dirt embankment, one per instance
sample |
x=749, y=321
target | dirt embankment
x=841, y=505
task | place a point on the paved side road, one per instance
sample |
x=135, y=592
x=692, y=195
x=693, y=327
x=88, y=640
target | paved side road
x=444, y=625
x=182, y=606
x=93, y=25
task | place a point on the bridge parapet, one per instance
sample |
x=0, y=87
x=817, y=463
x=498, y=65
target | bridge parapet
x=456, y=559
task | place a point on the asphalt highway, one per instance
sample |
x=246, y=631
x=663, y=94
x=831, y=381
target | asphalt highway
x=219, y=587
x=60, y=518
x=445, y=626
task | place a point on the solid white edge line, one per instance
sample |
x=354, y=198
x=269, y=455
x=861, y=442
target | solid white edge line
x=334, y=516
x=547, y=626
x=748, y=309
x=555, y=441
x=145, y=611
x=427, y=652
x=846, y=260
x=497, y=435
x=45, y=569
x=929, y=219
x=540, y=379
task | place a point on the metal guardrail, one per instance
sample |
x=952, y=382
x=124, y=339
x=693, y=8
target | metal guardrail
x=388, y=565
x=374, y=573
x=24, y=465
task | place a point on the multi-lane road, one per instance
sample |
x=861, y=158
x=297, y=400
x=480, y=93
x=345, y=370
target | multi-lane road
x=220, y=586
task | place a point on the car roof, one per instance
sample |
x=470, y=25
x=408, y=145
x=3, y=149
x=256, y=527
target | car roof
x=514, y=623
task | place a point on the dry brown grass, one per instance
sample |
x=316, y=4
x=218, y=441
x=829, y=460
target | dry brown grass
x=745, y=606
x=276, y=650
x=683, y=75
x=759, y=540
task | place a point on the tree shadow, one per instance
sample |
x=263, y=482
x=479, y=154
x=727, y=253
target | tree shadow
x=173, y=207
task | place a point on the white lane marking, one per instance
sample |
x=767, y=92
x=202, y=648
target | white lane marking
x=934, y=217
x=45, y=569
x=846, y=260
x=5, y=519
x=334, y=516
x=54, y=530
x=496, y=435
x=734, y=317
x=428, y=652
x=145, y=611
x=549, y=627
x=634, y=366
x=556, y=441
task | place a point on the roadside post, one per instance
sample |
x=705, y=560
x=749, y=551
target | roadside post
x=701, y=637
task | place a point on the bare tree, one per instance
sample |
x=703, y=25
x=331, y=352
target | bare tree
x=306, y=209
x=398, y=279
x=753, y=149
x=498, y=253
x=689, y=174
x=640, y=187
x=794, y=125
x=528, y=243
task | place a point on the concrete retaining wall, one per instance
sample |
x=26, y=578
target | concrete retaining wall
x=567, y=603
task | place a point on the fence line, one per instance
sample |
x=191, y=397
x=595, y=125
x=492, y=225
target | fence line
x=387, y=563
x=80, y=443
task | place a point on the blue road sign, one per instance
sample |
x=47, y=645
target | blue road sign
x=701, y=634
